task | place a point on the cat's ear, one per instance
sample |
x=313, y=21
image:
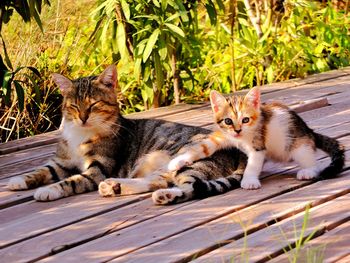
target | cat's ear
x=109, y=77
x=253, y=97
x=62, y=82
x=217, y=100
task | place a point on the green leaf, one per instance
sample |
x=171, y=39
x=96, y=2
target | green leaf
x=38, y=21
x=35, y=71
x=7, y=59
x=6, y=85
x=159, y=71
x=121, y=40
x=36, y=89
x=150, y=44
x=126, y=9
x=211, y=12
x=20, y=95
x=175, y=29
x=162, y=48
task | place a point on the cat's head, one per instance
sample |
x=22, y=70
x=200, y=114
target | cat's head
x=89, y=102
x=236, y=115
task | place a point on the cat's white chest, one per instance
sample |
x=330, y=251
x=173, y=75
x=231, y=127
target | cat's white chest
x=277, y=139
x=75, y=136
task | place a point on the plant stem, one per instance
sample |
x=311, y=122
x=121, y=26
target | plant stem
x=253, y=18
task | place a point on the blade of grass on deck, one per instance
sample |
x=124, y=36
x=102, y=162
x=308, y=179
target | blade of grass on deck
x=329, y=247
x=270, y=241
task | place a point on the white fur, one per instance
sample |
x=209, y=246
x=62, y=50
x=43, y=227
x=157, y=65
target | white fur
x=276, y=137
x=127, y=186
x=180, y=161
x=305, y=156
x=17, y=183
x=254, y=167
x=48, y=193
x=165, y=196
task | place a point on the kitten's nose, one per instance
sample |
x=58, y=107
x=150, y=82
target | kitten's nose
x=238, y=131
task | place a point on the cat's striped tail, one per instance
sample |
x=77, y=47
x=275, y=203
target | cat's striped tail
x=336, y=153
x=195, y=188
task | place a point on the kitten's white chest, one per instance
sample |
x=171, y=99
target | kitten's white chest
x=277, y=139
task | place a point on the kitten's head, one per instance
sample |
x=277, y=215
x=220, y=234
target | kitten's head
x=236, y=115
x=90, y=102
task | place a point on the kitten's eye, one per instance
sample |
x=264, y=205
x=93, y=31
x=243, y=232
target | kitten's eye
x=245, y=120
x=228, y=121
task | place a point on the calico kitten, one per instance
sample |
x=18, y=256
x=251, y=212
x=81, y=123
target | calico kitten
x=100, y=149
x=271, y=130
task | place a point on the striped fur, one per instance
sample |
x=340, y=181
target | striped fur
x=271, y=130
x=101, y=150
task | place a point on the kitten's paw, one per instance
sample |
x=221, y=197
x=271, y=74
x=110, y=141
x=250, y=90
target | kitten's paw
x=178, y=162
x=166, y=196
x=307, y=174
x=48, y=193
x=17, y=183
x=109, y=187
x=250, y=183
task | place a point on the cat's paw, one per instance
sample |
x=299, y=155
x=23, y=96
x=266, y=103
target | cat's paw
x=48, y=193
x=250, y=183
x=307, y=174
x=17, y=183
x=178, y=162
x=166, y=196
x=109, y=187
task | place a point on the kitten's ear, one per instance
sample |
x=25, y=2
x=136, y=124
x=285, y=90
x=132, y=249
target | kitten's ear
x=253, y=97
x=62, y=82
x=217, y=100
x=109, y=77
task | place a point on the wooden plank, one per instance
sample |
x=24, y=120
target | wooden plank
x=28, y=154
x=29, y=142
x=24, y=166
x=280, y=235
x=72, y=235
x=345, y=259
x=329, y=247
x=232, y=227
x=28, y=222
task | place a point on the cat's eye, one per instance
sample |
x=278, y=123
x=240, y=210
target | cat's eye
x=228, y=121
x=245, y=120
x=74, y=106
x=92, y=105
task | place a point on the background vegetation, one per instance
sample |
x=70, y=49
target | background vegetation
x=167, y=51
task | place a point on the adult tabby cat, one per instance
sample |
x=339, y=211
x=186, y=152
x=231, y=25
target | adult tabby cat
x=98, y=143
x=270, y=130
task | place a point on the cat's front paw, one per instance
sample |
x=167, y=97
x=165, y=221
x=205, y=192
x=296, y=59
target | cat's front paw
x=48, y=193
x=109, y=187
x=17, y=183
x=166, y=196
x=307, y=173
x=250, y=183
x=178, y=162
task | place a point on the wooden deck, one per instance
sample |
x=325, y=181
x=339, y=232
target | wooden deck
x=239, y=226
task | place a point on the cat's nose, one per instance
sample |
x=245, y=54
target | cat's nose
x=83, y=118
x=238, y=131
